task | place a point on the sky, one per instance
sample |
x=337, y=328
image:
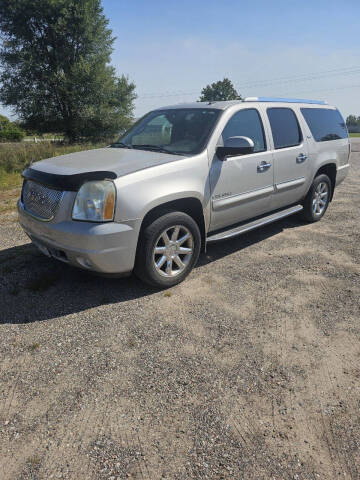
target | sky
x=171, y=49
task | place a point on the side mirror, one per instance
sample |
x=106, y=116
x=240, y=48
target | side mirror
x=235, y=146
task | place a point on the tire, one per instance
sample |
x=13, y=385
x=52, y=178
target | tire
x=164, y=258
x=317, y=199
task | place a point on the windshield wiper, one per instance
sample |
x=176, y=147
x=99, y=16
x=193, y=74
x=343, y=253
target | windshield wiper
x=120, y=145
x=156, y=148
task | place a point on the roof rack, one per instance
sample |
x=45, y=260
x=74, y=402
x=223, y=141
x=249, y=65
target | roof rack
x=284, y=100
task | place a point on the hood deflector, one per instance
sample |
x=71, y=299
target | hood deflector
x=70, y=183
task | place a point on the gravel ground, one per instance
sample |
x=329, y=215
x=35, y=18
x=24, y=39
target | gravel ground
x=250, y=369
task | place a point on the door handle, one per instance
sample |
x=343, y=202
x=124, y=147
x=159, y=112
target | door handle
x=301, y=158
x=263, y=167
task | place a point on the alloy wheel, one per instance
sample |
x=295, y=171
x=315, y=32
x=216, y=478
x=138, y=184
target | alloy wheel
x=173, y=251
x=320, y=198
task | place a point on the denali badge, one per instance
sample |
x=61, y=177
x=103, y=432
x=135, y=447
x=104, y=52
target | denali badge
x=37, y=197
x=221, y=195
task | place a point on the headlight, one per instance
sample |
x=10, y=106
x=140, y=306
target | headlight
x=95, y=202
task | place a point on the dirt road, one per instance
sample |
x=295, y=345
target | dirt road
x=248, y=370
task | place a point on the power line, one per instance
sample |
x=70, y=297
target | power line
x=344, y=87
x=302, y=78
x=355, y=70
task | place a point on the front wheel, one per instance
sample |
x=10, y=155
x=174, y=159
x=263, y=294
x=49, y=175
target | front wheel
x=317, y=200
x=169, y=247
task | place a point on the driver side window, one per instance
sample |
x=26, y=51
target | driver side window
x=246, y=123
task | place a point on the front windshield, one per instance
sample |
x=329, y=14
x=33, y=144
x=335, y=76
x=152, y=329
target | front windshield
x=179, y=131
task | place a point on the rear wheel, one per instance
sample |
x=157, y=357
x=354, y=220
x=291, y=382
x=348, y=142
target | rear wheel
x=318, y=198
x=168, y=249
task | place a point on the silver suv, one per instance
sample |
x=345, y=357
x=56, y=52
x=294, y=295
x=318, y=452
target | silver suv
x=182, y=177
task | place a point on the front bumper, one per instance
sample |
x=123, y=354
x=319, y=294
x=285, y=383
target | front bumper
x=102, y=247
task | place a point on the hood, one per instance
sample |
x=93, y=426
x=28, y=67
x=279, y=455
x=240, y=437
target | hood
x=120, y=161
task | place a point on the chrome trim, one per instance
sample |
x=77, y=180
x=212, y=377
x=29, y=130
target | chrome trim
x=32, y=214
x=343, y=166
x=242, y=197
x=263, y=166
x=290, y=184
x=284, y=100
x=254, y=224
x=301, y=158
x=45, y=220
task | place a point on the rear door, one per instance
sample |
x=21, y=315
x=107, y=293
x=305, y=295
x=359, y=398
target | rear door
x=290, y=150
x=242, y=185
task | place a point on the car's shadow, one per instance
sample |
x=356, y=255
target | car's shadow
x=34, y=287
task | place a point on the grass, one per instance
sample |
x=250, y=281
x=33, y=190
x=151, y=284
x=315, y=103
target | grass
x=32, y=348
x=354, y=134
x=14, y=157
x=8, y=200
x=9, y=197
x=9, y=180
x=8, y=206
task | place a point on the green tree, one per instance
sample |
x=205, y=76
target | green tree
x=55, y=71
x=10, y=132
x=352, y=120
x=221, y=90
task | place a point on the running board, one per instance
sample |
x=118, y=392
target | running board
x=233, y=232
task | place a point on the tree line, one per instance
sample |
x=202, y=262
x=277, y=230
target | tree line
x=353, y=121
x=56, y=76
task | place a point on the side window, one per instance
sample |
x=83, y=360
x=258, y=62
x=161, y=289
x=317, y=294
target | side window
x=246, y=123
x=285, y=127
x=325, y=124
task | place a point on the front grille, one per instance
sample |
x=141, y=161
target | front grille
x=40, y=201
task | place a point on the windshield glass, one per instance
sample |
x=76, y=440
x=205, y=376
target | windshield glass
x=178, y=130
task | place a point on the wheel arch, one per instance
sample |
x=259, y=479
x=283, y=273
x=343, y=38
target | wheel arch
x=330, y=170
x=192, y=206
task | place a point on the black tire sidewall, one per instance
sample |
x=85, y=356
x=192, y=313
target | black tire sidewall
x=308, y=212
x=144, y=267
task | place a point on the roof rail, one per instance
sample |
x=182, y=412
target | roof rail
x=284, y=100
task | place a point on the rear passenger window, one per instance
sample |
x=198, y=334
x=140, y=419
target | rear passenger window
x=246, y=123
x=285, y=127
x=325, y=124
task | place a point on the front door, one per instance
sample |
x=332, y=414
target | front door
x=242, y=186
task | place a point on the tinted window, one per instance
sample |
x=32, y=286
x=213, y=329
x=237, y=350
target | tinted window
x=246, y=123
x=325, y=124
x=285, y=127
